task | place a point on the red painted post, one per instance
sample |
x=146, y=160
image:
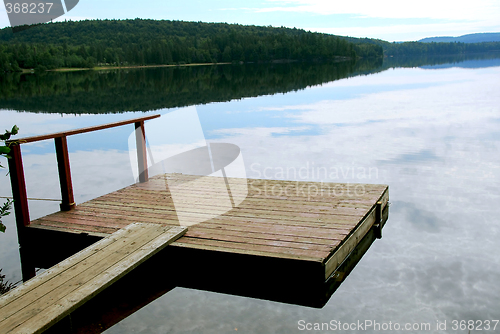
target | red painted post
x=142, y=160
x=21, y=209
x=18, y=184
x=68, y=200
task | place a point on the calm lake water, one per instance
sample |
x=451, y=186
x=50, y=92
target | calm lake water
x=431, y=132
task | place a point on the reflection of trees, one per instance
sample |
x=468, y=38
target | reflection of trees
x=157, y=88
x=5, y=286
x=426, y=60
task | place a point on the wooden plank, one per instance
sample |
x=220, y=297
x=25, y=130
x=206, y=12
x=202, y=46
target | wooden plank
x=263, y=234
x=51, y=272
x=104, y=233
x=228, y=245
x=227, y=248
x=136, y=189
x=270, y=231
x=262, y=240
x=207, y=207
x=290, y=189
x=215, y=225
x=338, y=222
x=173, y=179
x=40, y=288
x=207, y=213
x=63, y=288
x=71, y=228
x=102, y=212
x=100, y=282
x=250, y=204
x=298, y=191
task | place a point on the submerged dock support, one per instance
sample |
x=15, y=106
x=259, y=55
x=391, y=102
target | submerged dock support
x=378, y=220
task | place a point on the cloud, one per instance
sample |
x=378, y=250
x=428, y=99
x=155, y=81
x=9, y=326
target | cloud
x=407, y=32
x=450, y=10
x=260, y=131
x=417, y=104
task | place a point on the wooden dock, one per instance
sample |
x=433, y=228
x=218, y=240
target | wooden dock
x=279, y=240
x=303, y=234
x=47, y=298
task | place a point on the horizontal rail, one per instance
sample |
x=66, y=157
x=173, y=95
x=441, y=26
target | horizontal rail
x=81, y=130
x=34, y=199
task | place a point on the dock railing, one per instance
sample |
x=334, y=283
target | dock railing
x=16, y=170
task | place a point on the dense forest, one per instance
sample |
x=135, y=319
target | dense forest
x=90, y=43
x=151, y=42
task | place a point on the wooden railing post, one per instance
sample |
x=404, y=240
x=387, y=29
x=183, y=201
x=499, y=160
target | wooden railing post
x=142, y=160
x=18, y=184
x=68, y=200
x=21, y=210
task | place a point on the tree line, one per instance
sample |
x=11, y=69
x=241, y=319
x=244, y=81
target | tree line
x=433, y=48
x=427, y=49
x=89, y=43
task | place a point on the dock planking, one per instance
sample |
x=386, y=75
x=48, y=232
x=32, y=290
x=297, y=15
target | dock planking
x=301, y=222
x=47, y=298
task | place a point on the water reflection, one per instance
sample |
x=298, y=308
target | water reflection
x=92, y=92
x=432, y=135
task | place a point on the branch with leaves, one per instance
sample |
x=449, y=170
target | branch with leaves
x=5, y=151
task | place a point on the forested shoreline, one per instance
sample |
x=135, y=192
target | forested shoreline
x=91, y=43
x=150, y=42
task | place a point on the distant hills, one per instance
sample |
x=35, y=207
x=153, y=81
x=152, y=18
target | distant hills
x=470, y=38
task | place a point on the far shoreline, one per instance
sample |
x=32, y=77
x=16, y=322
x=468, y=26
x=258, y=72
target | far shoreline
x=102, y=68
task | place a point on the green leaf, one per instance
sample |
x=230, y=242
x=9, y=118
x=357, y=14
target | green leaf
x=14, y=130
x=2, y=228
x=4, y=150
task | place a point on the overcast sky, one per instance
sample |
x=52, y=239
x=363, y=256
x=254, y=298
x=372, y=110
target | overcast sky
x=392, y=20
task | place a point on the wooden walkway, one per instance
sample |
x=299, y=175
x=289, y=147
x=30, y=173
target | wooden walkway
x=317, y=223
x=47, y=298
